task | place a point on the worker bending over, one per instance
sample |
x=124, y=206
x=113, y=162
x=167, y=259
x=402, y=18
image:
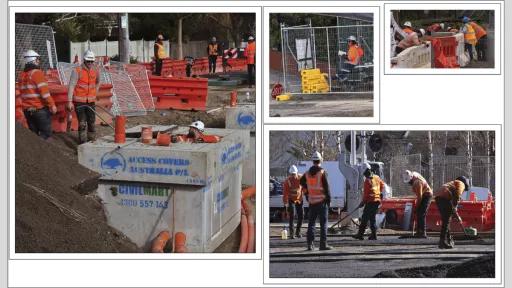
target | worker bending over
x=447, y=198
x=319, y=198
x=481, y=41
x=412, y=39
x=423, y=194
x=407, y=27
x=37, y=103
x=292, y=199
x=372, y=191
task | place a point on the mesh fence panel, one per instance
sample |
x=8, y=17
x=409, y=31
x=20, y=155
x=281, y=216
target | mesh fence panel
x=319, y=47
x=398, y=165
x=38, y=38
x=139, y=77
x=127, y=101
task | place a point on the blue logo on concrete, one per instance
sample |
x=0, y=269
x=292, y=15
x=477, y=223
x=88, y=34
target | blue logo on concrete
x=113, y=162
x=246, y=119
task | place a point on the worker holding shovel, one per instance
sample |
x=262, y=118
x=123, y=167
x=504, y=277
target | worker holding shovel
x=292, y=199
x=447, y=197
x=423, y=193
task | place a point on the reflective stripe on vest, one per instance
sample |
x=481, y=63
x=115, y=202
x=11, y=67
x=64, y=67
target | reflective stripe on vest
x=160, y=51
x=470, y=36
x=85, y=89
x=315, y=188
x=294, y=192
x=27, y=87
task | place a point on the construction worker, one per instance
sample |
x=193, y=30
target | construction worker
x=423, y=194
x=412, y=39
x=407, y=27
x=469, y=37
x=292, y=200
x=372, y=190
x=83, y=87
x=195, y=134
x=250, y=53
x=314, y=181
x=447, y=197
x=352, y=57
x=481, y=38
x=159, y=52
x=212, y=55
x=436, y=27
x=37, y=103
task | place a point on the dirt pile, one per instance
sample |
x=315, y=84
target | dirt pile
x=52, y=214
x=480, y=267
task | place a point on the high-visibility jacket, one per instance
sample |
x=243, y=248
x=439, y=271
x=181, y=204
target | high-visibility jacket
x=479, y=30
x=212, y=49
x=160, y=52
x=292, y=191
x=250, y=52
x=436, y=27
x=315, y=187
x=34, y=91
x=408, y=30
x=354, y=54
x=420, y=187
x=451, y=191
x=372, y=189
x=85, y=89
x=469, y=34
x=410, y=40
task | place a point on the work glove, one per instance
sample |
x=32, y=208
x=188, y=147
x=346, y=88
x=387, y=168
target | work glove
x=70, y=106
x=53, y=109
x=341, y=53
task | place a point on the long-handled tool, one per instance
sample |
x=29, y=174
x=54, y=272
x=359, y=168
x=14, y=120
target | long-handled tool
x=465, y=230
x=332, y=230
x=69, y=120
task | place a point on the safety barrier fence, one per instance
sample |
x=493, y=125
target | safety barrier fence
x=181, y=93
x=414, y=57
x=178, y=68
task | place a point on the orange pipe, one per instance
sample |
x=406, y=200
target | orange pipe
x=244, y=233
x=179, y=242
x=160, y=241
x=120, y=129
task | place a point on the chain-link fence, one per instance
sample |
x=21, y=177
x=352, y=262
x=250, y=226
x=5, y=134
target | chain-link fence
x=38, y=38
x=446, y=168
x=325, y=48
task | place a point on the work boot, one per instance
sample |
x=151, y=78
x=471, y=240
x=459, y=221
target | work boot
x=91, y=136
x=373, y=236
x=82, y=137
x=297, y=234
x=325, y=247
x=360, y=233
x=311, y=247
x=358, y=237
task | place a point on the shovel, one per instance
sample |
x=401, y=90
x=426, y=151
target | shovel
x=69, y=120
x=465, y=230
x=332, y=229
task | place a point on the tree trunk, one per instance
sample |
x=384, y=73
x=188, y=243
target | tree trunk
x=180, y=38
x=124, y=38
x=488, y=160
x=443, y=171
x=430, y=160
x=469, y=156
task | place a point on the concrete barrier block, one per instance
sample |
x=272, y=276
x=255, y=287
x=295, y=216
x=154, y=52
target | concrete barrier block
x=242, y=116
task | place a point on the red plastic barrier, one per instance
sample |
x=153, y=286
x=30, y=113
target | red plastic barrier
x=445, y=52
x=177, y=68
x=179, y=93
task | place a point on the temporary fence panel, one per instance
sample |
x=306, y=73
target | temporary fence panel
x=38, y=38
x=321, y=48
x=397, y=166
x=139, y=78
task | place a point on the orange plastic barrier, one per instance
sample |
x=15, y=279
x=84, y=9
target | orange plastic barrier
x=179, y=93
x=180, y=242
x=160, y=241
x=177, y=68
x=445, y=52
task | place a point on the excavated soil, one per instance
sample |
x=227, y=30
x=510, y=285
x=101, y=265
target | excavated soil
x=53, y=212
x=480, y=267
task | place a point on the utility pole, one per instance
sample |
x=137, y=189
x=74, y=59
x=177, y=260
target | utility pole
x=124, y=38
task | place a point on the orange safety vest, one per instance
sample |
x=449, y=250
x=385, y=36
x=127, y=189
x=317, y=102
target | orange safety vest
x=372, y=189
x=250, y=52
x=407, y=30
x=354, y=54
x=160, y=51
x=212, y=49
x=85, y=89
x=469, y=36
x=450, y=190
x=315, y=187
x=420, y=186
x=34, y=91
x=479, y=31
x=294, y=190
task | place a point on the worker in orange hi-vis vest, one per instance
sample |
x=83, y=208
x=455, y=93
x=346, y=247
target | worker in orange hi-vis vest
x=351, y=58
x=412, y=39
x=469, y=37
x=408, y=27
x=316, y=187
x=481, y=38
x=447, y=198
x=213, y=52
x=372, y=191
x=37, y=103
x=250, y=53
x=423, y=194
x=83, y=87
x=292, y=200
x=159, y=52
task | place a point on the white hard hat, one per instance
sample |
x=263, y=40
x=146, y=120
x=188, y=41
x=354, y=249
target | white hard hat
x=199, y=125
x=352, y=38
x=422, y=31
x=30, y=56
x=442, y=25
x=160, y=37
x=407, y=176
x=316, y=156
x=407, y=24
x=214, y=39
x=293, y=170
x=89, y=56
x=251, y=38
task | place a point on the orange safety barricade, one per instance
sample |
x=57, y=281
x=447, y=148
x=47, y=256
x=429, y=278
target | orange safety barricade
x=445, y=52
x=179, y=93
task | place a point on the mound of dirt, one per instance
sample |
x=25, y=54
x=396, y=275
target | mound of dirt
x=52, y=212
